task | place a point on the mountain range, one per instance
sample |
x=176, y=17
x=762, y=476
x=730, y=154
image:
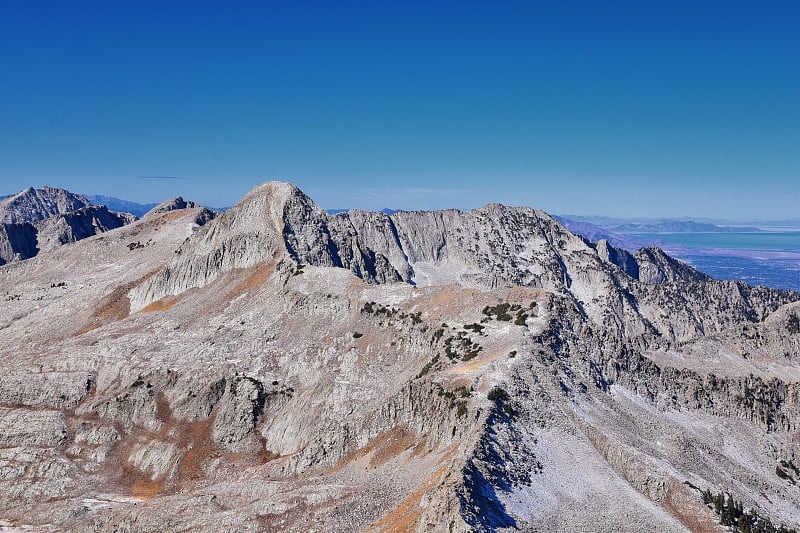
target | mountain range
x=122, y=206
x=684, y=224
x=677, y=226
x=37, y=220
x=277, y=367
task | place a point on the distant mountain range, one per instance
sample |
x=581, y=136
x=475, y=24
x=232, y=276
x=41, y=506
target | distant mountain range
x=634, y=235
x=682, y=224
x=604, y=227
x=678, y=226
x=594, y=233
x=126, y=206
x=118, y=204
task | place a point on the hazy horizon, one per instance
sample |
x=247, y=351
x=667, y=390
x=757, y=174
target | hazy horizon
x=594, y=218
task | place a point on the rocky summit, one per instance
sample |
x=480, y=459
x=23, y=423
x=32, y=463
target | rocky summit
x=276, y=368
x=37, y=220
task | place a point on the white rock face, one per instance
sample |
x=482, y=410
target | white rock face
x=70, y=227
x=282, y=369
x=32, y=205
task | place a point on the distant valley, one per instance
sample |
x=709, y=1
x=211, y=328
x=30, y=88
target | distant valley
x=768, y=254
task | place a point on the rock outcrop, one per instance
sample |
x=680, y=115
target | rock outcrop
x=40, y=220
x=17, y=242
x=76, y=225
x=171, y=205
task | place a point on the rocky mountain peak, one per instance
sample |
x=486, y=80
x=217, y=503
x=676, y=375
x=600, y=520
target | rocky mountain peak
x=32, y=205
x=656, y=267
x=491, y=247
x=171, y=205
x=265, y=206
x=247, y=234
x=279, y=191
x=619, y=257
x=37, y=220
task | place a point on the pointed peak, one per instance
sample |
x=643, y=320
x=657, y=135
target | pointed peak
x=278, y=195
x=277, y=189
x=31, y=204
x=30, y=191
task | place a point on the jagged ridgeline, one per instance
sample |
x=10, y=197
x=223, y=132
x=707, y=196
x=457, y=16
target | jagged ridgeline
x=37, y=220
x=40, y=220
x=279, y=368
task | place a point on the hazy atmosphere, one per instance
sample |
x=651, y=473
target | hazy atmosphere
x=630, y=109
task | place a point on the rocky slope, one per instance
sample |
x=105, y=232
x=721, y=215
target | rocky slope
x=76, y=225
x=39, y=220
x=279, y=368
x=171, y=205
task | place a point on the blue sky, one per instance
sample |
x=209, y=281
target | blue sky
x=606, y=107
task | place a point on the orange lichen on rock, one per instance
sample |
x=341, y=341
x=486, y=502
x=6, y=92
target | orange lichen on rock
x=407, y=514
x=450, y=296
x=386, y=445
x=686, y=507
x=113, y=307
x=391, y=444
x=474, y=365
x=164, y=304
x=256, y=277
x=522, y=295
x=197, y=436
x=146, y=488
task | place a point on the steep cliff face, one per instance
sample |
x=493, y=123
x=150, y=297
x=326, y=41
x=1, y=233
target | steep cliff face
x=617, y=256
x=76, y=225
x=17, y=242
x=282, y=369
x=40, y=220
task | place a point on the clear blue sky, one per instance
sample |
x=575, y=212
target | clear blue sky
x=607, y=107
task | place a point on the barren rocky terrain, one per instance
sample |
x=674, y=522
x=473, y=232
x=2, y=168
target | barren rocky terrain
x=40, y=220
x=279, y=368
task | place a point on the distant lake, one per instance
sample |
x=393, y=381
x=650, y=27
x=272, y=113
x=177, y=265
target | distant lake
x=770, y=258
x=772, y=241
